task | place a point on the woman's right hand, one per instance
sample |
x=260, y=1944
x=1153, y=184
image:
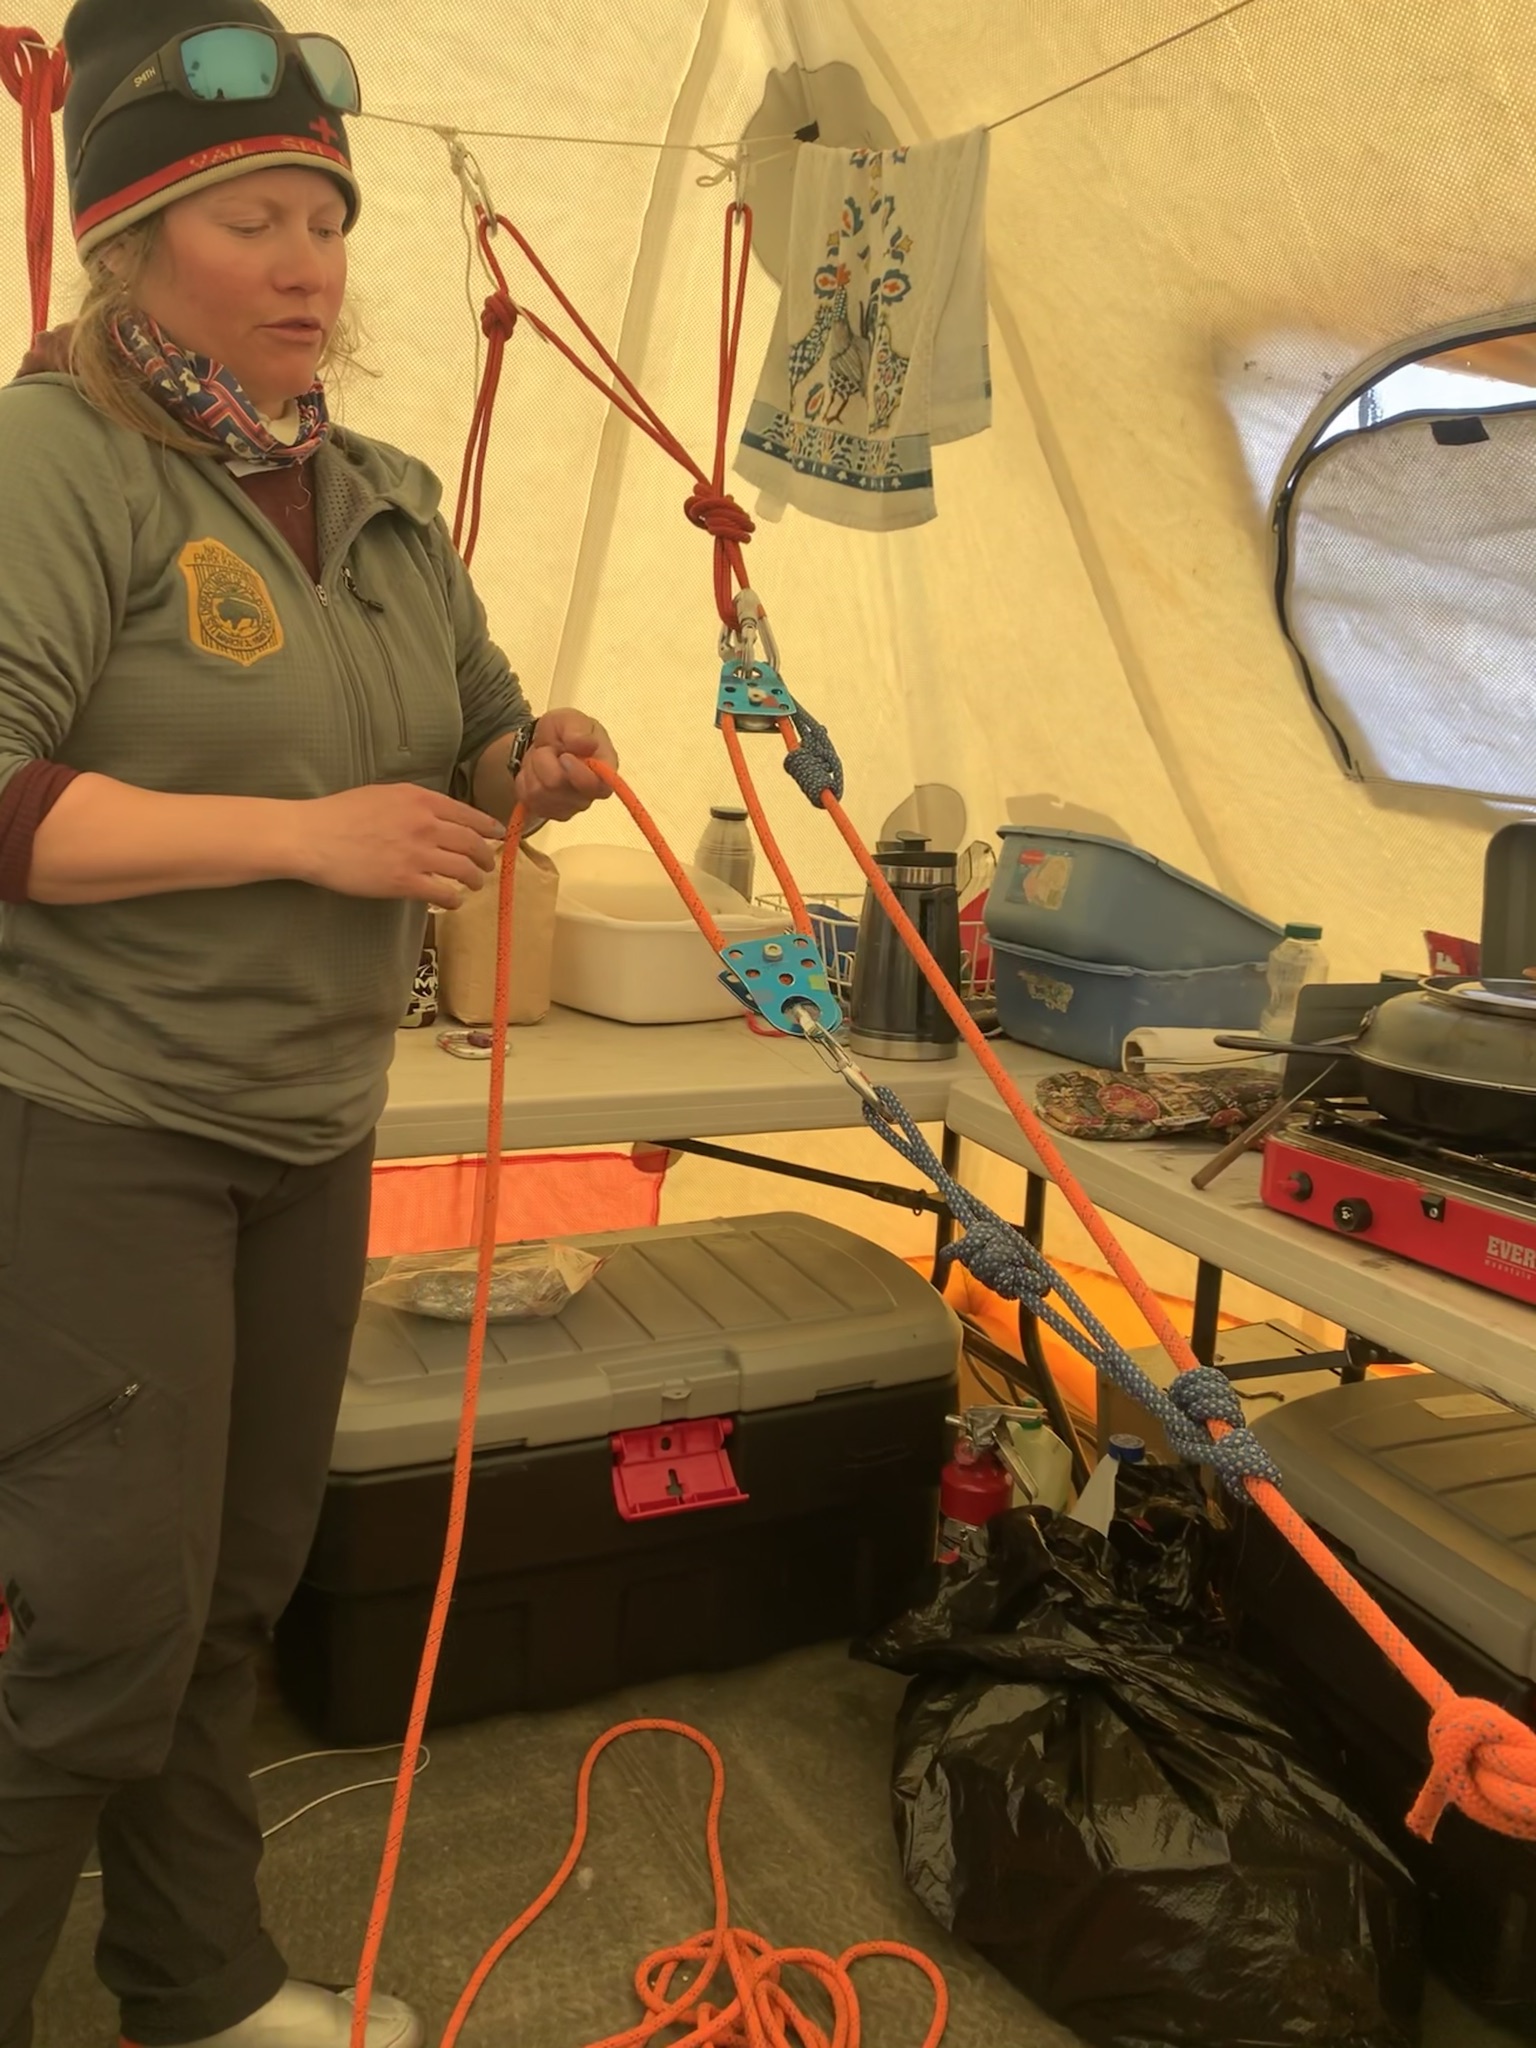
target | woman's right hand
x=395, y=840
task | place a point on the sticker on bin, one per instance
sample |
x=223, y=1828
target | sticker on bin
x=1056, y=995
x=1046, y=878
x=672, y=1468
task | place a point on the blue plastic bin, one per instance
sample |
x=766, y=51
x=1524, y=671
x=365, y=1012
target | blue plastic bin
x=1098, y=899
x=1085, y=1011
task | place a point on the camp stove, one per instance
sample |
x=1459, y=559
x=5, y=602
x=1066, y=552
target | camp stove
x=1348, y=1169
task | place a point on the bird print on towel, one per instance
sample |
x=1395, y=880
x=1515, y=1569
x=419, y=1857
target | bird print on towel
x=855, y=338
x=848, y=371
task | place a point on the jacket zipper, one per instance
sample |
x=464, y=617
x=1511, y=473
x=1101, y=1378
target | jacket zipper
x=61, y=1432
x=357, y=693
x=374, y=611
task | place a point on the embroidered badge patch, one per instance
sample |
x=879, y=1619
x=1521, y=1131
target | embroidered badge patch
x=230, y=609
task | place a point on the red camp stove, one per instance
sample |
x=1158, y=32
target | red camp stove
x=1348, y=1169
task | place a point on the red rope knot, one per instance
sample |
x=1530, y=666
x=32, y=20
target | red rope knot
x=25, y=56
x=499, y=319
x=1484, y=1761
x=718, y=515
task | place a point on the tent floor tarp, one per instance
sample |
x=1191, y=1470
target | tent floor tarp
x=808, y=1848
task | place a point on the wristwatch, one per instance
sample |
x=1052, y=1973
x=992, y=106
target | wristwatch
x=522, y=740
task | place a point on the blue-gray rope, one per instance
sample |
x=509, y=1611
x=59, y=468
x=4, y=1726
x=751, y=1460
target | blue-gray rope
x=814, y=764
x=1002, y=1258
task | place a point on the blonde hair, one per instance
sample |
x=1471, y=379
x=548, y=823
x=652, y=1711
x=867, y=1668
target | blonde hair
x=113, y=276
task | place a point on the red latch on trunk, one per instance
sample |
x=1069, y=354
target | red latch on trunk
x=672, y=1468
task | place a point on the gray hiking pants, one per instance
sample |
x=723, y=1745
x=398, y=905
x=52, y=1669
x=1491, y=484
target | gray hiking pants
x=175, y=1318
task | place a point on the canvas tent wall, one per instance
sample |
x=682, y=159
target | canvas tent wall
x=1184, y=257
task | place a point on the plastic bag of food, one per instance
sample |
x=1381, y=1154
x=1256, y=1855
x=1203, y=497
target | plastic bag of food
x=529, y=1282
x=1141, y=1830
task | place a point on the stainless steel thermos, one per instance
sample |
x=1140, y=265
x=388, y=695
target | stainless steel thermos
x=895, y=1015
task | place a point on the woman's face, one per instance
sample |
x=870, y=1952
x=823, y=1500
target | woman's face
x=253, y=273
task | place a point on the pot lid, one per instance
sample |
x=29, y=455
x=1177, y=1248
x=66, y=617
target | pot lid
x=1489, y=998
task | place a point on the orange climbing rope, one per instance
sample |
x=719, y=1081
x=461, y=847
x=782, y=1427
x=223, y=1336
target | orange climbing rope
x=1483, y=1758
x=760, y=2007
x=36, y=77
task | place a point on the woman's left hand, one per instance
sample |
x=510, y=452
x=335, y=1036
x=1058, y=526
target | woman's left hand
x=555, y=781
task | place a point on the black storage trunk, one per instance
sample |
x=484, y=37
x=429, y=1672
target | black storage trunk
x=1384, y=1471
x=776, y=1358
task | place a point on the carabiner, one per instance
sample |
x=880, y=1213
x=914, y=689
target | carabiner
x=839, y=1060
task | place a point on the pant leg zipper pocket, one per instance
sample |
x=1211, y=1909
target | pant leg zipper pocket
x=74, y=1425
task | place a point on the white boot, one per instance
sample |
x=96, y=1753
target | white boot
x=304, y=2016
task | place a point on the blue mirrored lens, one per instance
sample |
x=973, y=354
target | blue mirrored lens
x=331, y=70
x=231, y=64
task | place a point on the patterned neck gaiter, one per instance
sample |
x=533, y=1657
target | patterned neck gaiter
x=208, y=399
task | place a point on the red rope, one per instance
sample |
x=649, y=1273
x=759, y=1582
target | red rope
x=498, y=321
x=36, y=78
x=709, y=505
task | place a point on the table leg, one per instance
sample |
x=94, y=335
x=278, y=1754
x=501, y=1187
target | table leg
x=1207, y=1318
x=944, y=1230
x=1037, y=1365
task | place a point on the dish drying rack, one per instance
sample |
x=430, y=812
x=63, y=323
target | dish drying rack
x=835, y=928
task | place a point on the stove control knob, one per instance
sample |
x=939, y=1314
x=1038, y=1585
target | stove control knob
x=1352, y=1215
x=1298, y=1186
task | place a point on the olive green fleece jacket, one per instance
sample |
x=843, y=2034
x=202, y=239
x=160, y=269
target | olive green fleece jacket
x=157, y=628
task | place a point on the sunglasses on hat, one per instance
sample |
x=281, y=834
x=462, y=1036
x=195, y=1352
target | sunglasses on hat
x=233, y=61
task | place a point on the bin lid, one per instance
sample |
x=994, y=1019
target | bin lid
x=684, y=1320
x=1433, y=1487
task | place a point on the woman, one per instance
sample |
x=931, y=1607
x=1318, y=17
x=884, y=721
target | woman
x=251, y=724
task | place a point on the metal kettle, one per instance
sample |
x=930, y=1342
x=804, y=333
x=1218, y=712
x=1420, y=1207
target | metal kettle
x=894, y=1013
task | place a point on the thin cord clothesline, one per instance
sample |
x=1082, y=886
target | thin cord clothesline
x=704, y=148
x=764, y=141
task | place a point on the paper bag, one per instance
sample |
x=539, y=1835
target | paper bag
x=466, y=945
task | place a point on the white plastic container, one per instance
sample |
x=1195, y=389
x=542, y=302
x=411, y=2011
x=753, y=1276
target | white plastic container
x=1297, y=960
x=626, y=947
x=1048, y=1461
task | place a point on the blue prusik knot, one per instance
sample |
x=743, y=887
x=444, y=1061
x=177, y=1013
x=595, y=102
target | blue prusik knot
x=814, y=765
x=1207, y=1395
x=994, y=1252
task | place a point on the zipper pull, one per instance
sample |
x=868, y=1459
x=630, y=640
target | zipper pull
x=351, y=582
x=324, y=596
x=128, y=1394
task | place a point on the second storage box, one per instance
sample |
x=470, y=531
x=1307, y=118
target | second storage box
x=1085, y=1010
x=727, y=1445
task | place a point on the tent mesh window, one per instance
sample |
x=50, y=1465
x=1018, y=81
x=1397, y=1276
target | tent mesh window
x=1405, y=528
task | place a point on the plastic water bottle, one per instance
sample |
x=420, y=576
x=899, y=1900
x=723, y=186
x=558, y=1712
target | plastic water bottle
x=1047, y=1459
x=726, y=850
x=1297, y=960
x=1095, y=1507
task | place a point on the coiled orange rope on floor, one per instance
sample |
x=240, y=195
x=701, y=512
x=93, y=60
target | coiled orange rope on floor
x=759, y=2007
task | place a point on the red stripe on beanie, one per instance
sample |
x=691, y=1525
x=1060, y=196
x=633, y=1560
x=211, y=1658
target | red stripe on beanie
x=204, y=160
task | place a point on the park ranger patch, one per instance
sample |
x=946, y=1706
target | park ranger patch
x=230, y=609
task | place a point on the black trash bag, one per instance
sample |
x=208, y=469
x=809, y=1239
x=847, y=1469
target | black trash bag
x=1135, y=1826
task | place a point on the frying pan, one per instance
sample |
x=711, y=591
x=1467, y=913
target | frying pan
x=1458, y=1060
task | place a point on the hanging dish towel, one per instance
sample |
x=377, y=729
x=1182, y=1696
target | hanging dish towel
x=879, y=351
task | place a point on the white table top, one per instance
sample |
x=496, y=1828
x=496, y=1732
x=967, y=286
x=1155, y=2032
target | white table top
x=577, y=1080
x=1485, y=1340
